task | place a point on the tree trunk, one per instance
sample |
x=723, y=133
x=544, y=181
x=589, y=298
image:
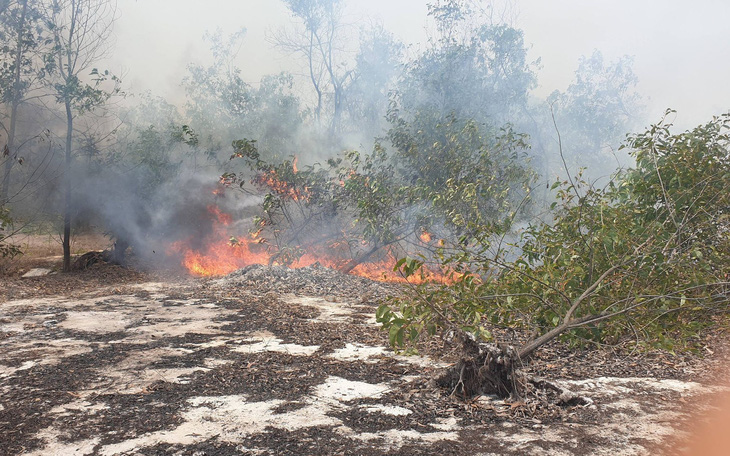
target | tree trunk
x=352, y=264
x=12, y=155
x=118, y=252
x=67, y=191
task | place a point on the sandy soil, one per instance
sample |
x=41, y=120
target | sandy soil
x=112, y=362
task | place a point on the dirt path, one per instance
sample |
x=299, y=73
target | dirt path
x=232, y=367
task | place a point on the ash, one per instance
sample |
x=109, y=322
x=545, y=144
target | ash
x=314, y=280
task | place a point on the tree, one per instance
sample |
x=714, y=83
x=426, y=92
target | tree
x=225, y=107
x=22, y=69
x=321, y=40
x=474, y=69
x=377, y=68
x=595, y=112
x=645, y=256
x=80, y=29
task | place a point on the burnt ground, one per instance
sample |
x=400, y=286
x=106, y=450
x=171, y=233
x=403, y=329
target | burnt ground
x=109, y=361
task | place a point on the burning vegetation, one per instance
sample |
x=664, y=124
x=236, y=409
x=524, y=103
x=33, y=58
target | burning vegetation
x=441, y=170
x=221, y=252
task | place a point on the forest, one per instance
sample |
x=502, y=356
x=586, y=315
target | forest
x=506, y=222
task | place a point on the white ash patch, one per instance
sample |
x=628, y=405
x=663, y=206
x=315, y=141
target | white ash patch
x=217, y=342
x=212, y=363
x=79, y=405
x=396, y=438
x=230, y=418
x=35, y=303
x=7, y=371
x=341, y=389
x=329, y=311
x=530, y=440
x=157, y=321
x=622, y=386
x=628, y=435
x=144, y=319
x=420, y=360
x=636, y=412
x=358, y=352
x=134, y=374
x=57, y=447
x=98, y=322
x=27, y=323
x=42, y=353
x=392, y=410
x=265, y=341
x=446, y=424
x=134, y=382
x=155, y=289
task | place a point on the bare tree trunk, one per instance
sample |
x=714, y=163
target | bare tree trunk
x=67, y=192
x=11, y=157
x=352, y=264
x=313, y=78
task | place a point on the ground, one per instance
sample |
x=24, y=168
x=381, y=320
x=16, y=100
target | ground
x=112, y=361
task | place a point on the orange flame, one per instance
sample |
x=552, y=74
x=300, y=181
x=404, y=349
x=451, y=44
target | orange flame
x=223, y=253
x=282, y=188
x=426, y=237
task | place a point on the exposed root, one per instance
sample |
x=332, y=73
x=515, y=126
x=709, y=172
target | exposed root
x=486, y=369
x=489, y=369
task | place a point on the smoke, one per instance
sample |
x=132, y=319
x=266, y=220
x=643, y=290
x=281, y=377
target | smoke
x=149, y=173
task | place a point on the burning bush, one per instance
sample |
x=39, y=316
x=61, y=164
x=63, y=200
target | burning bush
x=442, y=179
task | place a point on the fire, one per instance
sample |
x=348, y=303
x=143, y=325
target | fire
x=426, y=237
x=222, y=253
x=271, y=181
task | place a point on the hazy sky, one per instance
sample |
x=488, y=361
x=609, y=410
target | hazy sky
x=681, y=48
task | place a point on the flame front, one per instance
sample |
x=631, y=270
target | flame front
x=222, y=254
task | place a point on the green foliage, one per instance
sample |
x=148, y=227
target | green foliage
x=22, y=37
x=84, y=97
x=646, y=257
x=470, y=176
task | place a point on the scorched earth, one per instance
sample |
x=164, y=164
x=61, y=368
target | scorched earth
x=268, y=360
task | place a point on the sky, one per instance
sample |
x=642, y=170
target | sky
x=681, y=49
